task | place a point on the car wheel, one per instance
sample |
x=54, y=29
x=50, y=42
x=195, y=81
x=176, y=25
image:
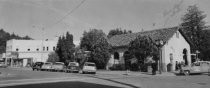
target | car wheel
x=83, y=72
x=186, y=73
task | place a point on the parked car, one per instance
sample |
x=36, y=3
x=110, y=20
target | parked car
x=3, y=65
x=196, y=67
x=73, y=67
x=47, y=66
x=89, y=67
x=37, y=66
x=58, y=66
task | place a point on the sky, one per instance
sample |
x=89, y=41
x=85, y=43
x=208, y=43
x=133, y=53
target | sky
x=46, y=19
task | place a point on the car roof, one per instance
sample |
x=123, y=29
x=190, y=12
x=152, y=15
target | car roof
x=202, y=61
x=89, y=63
x=73, y=62
x=48, y=62
x=59, y=62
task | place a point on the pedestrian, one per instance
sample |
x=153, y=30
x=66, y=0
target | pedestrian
x=154, y=68
x=177, y=66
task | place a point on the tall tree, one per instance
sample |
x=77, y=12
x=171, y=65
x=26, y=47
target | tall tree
x=96, y=42
x=53, y=57
x=117, y=31
x=65, y=48
x=192, y=24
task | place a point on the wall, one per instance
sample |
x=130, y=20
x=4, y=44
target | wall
x=34, y=49
x=175, y=46
x=121, y=58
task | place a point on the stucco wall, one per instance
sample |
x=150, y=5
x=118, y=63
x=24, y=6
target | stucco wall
x=36, y=52
x=175, y=46
x=121, y=58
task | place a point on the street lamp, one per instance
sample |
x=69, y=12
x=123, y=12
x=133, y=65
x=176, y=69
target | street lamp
x=197, y=52
x=159, y=44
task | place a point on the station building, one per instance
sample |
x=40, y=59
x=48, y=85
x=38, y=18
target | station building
x=20, y=53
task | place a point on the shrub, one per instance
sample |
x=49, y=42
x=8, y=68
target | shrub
x=117, y=67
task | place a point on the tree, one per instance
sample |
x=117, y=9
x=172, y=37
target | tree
x=142, y=47
x=53, y=57
x=117, y=31
x=96, y=42
x=192, y=25
x=65, y=48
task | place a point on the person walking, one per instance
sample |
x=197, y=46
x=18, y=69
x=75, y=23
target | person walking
x=154, y=68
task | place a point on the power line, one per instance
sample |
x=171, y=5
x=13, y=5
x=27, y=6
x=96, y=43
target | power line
x=73, y=10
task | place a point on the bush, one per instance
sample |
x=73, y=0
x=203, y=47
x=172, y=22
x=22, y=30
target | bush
x=119, y=67
x=143, y=67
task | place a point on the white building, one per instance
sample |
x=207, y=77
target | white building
x=24, y=52
x=176, y=47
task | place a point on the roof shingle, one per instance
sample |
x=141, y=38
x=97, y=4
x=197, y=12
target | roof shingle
x=124, y=40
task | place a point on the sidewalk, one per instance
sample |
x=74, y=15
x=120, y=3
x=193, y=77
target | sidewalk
x=20, y=68
x=132, y=73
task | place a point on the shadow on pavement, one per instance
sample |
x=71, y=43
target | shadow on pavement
x=63, y=85
x=126, y=84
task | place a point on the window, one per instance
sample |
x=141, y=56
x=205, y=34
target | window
x=29, y=49
x=37, y=49
x=17, y=49
x=54, y=48
x=47, y=48
x=197, y=64
x=43, y=48
x=177, y=34
x=116, y=56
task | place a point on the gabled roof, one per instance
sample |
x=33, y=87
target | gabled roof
x=124, y=40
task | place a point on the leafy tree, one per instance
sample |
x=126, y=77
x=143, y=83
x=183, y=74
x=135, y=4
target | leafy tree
x=65, y=48
x=192, y=24
x=142, y=47
x=96, y=42
x=53, y=57
x=117, y=31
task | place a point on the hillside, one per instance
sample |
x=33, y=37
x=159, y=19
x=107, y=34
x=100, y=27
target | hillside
x=4, y=36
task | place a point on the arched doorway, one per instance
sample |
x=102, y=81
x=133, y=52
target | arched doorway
x=185, y=56
x=116, y=56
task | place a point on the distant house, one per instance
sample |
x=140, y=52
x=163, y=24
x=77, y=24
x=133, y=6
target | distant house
x=176, y=46
x=22, y=52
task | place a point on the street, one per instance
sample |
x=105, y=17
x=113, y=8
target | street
x=19, y=78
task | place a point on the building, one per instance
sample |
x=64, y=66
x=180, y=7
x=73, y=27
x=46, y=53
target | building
x=176, y=46
x=23, y=52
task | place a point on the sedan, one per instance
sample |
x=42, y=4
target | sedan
x=196, y=67
x=89, y=67
x=37, y=66
x=72, y=67
x=58, y=66
x=47, y=66
x=3, y=65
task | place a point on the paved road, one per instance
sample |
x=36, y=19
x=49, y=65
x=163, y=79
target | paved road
x=14, y=78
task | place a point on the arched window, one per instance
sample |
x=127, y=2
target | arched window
x=185, y=56
x=116, y=56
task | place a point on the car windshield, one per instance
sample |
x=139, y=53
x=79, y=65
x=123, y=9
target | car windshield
x=38, y=63
x=89, y=64
x=58, y=64
x=72, y=64
x=47, y=63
